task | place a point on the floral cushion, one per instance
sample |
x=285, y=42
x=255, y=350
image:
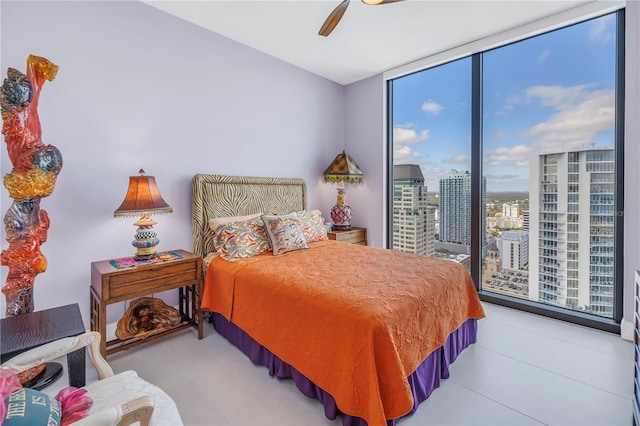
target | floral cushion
x=218, y=221
x=239, y=240
x=285, y=232
x=313, y=225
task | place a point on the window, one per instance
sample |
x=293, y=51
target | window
x=528, y=131
x=432, y=186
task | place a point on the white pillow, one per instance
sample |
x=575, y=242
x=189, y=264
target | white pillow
x=218, y=221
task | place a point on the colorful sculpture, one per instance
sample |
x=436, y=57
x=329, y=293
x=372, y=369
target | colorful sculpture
x=35, y=169
x=146, y=316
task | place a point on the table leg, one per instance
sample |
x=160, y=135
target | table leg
x=76, y=361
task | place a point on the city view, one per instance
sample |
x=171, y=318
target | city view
x=548, y=166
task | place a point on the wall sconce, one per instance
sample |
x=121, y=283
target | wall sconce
x=343, y=169
x=143, y=198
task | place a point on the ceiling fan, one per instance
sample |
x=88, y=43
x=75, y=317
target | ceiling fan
x=335, y=16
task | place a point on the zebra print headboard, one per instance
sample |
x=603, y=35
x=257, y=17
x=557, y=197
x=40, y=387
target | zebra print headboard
x=222, y=196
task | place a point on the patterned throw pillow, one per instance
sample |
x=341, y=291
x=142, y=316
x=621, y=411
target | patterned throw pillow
x=285, y=232
x=218, y=221
x=219, y=224
x=239, y=240
x=313, y=225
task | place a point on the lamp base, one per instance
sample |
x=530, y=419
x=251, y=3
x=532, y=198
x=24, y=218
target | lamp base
x=341, y=216
x=146, y=239
x=340, y=227
x=145, y=256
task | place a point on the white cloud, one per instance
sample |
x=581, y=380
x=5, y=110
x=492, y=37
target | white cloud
x=432, y=171
x=506, y=110
x=458, y=159
x=405, y=155
x=602, y=29
x=558, y=97
x=499, y=135
x=517, y=156
x=404, y=136
x=543, y=56
x=580, y=116
x=432, y=108
x=516, y=99
x=432, y=175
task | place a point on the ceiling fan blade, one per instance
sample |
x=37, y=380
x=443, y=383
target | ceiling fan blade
x=333, y=18
x=374, y=2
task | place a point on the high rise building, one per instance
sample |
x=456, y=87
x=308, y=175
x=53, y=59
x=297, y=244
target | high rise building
x=455, y=210
x=525, y=220
x=571, y=230
x=413, y=219
x=510, y=210
x=514, y=250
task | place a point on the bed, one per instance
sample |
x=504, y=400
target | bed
x=368, y=332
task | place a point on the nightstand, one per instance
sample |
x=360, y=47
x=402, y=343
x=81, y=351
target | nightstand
x=354, y=236
x=110, y=284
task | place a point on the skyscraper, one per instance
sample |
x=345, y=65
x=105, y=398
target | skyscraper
x=514, y=250
x=413, y=220
x=455, y=210
x=510, y=210
x=571, y=232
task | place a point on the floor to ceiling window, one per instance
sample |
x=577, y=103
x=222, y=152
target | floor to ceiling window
x=432, y=162
x=547, y=169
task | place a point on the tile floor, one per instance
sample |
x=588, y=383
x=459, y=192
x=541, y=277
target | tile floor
x=524, y=370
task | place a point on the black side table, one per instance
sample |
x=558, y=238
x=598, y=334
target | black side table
x=26, y=331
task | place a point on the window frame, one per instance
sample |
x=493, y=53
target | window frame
x=590, y=320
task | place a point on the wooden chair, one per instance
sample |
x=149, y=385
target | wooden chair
x=118, y=399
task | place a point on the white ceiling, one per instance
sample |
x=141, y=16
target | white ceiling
x=369, y=39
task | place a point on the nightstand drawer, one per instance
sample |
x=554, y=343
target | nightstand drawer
x=352, y=236
x=145, y=279
x=113, y=284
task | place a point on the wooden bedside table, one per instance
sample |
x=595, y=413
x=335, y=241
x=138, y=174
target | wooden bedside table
x=354, y=235
x=111, y=285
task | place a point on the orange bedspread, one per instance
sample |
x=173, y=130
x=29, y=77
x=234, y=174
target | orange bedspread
x=355, y=320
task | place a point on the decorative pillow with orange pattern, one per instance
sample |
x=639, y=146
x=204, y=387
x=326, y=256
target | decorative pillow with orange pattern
x=313, y=225
x=239, y=240
x=285, y=232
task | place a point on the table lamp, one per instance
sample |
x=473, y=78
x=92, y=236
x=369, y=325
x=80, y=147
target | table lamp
x=343, y=169
x=143, y=198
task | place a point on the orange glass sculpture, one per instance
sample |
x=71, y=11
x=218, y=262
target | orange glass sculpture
x=33, y=177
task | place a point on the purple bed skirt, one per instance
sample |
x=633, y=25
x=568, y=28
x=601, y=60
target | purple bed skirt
x=423, y=381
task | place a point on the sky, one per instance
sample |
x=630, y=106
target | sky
x=551, y=93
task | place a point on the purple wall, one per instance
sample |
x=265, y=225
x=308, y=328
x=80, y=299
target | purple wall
x=138, y=88
x=365, y=141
